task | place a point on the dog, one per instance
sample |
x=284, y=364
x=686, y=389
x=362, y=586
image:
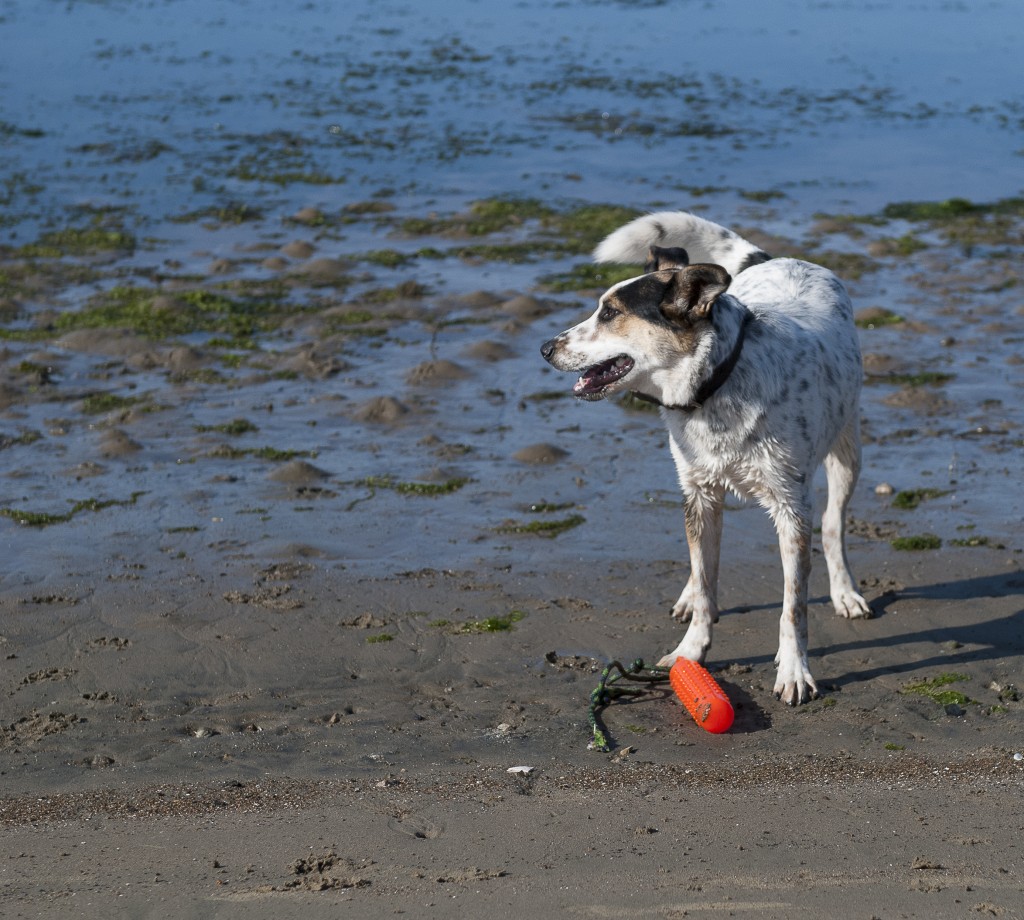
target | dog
x=755, y=365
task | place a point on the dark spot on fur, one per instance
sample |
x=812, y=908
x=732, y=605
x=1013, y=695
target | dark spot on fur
x=805, y=385
x=659, y=259
x=642, y=298
x=754, y=258
x=667, y=298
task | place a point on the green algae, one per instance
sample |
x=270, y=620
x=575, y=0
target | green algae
x=922, y=379
x=100, y=403
x=902, y=246
x=763, y=196
x=549, y=507
x=493, y=624
x=156, y=315
x=78, y=241
x=43, y=519
x=273, y=454
x=407, y=290
x=932, y=689
x=583, y=227
x=387, y=258
x=221, y=215
x=852, y=265
x=509, y=253
x=977, y=541
x=918, y=543
x=23, y=439
x=879, y=317
x=544, y=528
x=9, y=129
x=955, y=221
x=949, y=210
x=351, y=318
x=484, y=217
x=281, y=169
x=415, y=488
x=40, y=374
x=588, y=276
x=383, y=637
x=908, y=499
x=235, y=427
x=372, y=207
x=962, y=222
x=574, y=230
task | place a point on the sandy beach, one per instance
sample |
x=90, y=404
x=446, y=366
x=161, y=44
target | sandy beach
x=186, y=756
x=305, y=549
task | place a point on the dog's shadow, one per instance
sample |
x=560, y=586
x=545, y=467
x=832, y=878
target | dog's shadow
x=751, y=717
x=961, y=643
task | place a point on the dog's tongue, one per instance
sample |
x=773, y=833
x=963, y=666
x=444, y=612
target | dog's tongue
x=596, y=378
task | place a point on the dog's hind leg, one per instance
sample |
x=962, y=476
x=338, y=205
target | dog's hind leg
x=699, y=601
x=793, y=683
x=842, y=467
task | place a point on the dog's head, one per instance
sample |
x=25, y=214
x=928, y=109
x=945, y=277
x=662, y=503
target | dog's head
x=642, y=329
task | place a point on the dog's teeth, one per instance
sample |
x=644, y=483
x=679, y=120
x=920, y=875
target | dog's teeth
x=619, y=362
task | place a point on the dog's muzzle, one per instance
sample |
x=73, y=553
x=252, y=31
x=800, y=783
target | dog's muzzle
x=595, y=380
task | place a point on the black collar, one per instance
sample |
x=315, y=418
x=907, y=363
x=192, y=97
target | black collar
x=718, y=376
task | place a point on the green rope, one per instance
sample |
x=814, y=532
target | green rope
x=604, y=693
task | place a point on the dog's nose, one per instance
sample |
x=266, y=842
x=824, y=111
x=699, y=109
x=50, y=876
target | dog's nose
x=547, y=349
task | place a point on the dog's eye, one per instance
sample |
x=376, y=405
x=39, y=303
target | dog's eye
x=607, y=314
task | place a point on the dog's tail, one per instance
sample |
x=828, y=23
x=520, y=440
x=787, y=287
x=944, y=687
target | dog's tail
x=703, y=241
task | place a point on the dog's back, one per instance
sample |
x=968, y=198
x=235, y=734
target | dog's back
x=808, y=294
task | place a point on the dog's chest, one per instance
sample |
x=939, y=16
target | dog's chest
x=736, y=456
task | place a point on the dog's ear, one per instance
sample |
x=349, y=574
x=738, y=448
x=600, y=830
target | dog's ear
x=692, y=291
x=659, y=259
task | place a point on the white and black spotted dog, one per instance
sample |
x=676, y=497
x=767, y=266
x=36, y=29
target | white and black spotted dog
x=756, y=366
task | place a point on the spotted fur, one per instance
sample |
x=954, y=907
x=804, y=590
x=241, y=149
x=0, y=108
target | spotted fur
x=788, y=403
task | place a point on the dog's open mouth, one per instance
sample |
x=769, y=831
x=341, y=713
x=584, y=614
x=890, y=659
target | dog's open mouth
x=595, y=380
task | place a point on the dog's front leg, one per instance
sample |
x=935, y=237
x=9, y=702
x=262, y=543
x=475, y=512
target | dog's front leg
x=699, y=601
x=793, y=683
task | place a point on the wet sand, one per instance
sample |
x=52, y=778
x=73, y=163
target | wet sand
x=226, y=754
x=274, y=640
x=276, y=628
x=305, y=547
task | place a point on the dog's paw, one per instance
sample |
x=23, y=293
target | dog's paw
x=851, y=605
x=693, y=647
x=681, y=612
x=684, y=608
x=794, y=684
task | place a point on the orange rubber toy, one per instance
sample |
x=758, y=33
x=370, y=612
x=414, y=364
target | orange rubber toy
x=701, y=695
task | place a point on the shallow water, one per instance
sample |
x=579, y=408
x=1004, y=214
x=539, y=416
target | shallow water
x=140, y=117
x=853, y=103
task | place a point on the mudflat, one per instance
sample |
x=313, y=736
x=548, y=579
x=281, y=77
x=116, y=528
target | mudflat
x=305, y=548
x=181, y=751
